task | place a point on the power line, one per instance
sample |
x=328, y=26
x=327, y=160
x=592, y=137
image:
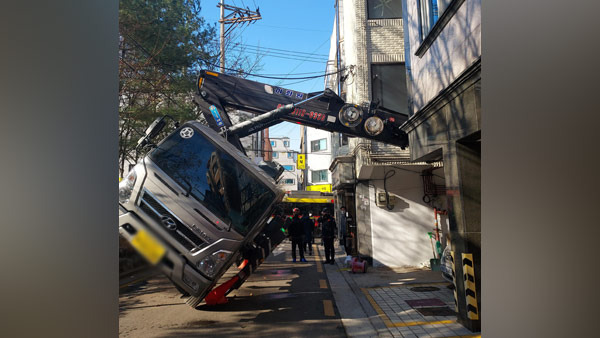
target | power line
x=277, y=51
x=282, y=56
x=293, y=28
x=284, y=50
x=293, y=83
x=238, y=71
x=208, y=62
x=298, y=65
x=295, y=59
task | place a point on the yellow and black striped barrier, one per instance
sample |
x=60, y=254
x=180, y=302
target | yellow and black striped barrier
x=470, y=290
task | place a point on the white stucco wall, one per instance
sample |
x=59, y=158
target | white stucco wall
x=455, y=49
x=400, y=236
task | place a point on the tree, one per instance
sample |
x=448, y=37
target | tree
x=162, y=46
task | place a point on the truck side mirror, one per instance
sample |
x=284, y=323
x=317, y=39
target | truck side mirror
x=152, y=131
x=156, y=127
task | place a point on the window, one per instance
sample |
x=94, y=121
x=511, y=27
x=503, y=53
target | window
x=429, y=13
x=290, y=155
x=384, y=9
x=288, y=181
x=275, y=154
x=286, y=143
x=288, y=167
x=216, y=179
x=343, y=139
x=319, y=175
x=273, y=143
x=389, y=86
x=318, y=145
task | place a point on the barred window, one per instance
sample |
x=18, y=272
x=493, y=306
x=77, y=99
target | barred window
x=384, y=9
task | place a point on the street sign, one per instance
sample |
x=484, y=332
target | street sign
x=301, y=164
x=319, y=187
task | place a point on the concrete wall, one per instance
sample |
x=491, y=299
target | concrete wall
x=454, y=50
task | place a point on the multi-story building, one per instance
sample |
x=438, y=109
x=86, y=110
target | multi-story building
x=443, y=58
x=284, y=155
x=316, y=145
x=380, y=186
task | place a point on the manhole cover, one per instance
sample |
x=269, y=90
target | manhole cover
x=424, y=288
x=436, y=311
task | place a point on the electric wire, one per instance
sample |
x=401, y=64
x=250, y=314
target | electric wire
x=238, y=71
x=321, y=61
x=277, y=51
x=208, y=62
x=298, y=65
x=293, y=28
x=282, y=56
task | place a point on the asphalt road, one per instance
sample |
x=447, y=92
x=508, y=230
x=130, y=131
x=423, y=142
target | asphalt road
x=281, y=299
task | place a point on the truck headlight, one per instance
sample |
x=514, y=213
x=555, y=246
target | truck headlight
x=126, y=186
x=210, y=265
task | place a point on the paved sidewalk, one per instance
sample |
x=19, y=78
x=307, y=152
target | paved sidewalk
x=385, y=302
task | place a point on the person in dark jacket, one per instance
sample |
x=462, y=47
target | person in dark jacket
x=328, y=234
x=296, y=233
x=309, y=227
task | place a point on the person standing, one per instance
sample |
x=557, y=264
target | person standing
x=329, y=231
x=309, y=227
x=296, y=232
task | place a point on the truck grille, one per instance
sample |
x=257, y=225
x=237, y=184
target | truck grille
x=176, y=228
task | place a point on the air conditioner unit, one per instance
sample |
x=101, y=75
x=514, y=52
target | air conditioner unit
x=380, y=199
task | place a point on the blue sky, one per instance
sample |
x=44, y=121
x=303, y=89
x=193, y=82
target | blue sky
x=294, y=38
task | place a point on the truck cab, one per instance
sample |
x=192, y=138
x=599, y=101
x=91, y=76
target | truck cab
x=192, y=203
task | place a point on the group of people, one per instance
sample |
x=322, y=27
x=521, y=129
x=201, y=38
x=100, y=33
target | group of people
x=300, y=230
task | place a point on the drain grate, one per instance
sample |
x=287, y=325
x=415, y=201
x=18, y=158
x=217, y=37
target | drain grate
x=436, y=311
x=424, y=289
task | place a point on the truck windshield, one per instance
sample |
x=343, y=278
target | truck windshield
x=214, y=177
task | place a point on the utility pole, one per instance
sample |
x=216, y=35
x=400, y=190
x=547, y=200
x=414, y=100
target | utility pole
x=305, y=176
x=222, y=37
x=236, y=16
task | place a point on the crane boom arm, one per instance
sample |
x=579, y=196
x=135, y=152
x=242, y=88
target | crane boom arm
x=322, y=110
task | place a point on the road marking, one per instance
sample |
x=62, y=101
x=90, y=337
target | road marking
x=374, y=304
x=328, y=308
x=423, y=323
x=318, y=260
x=322, y=284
